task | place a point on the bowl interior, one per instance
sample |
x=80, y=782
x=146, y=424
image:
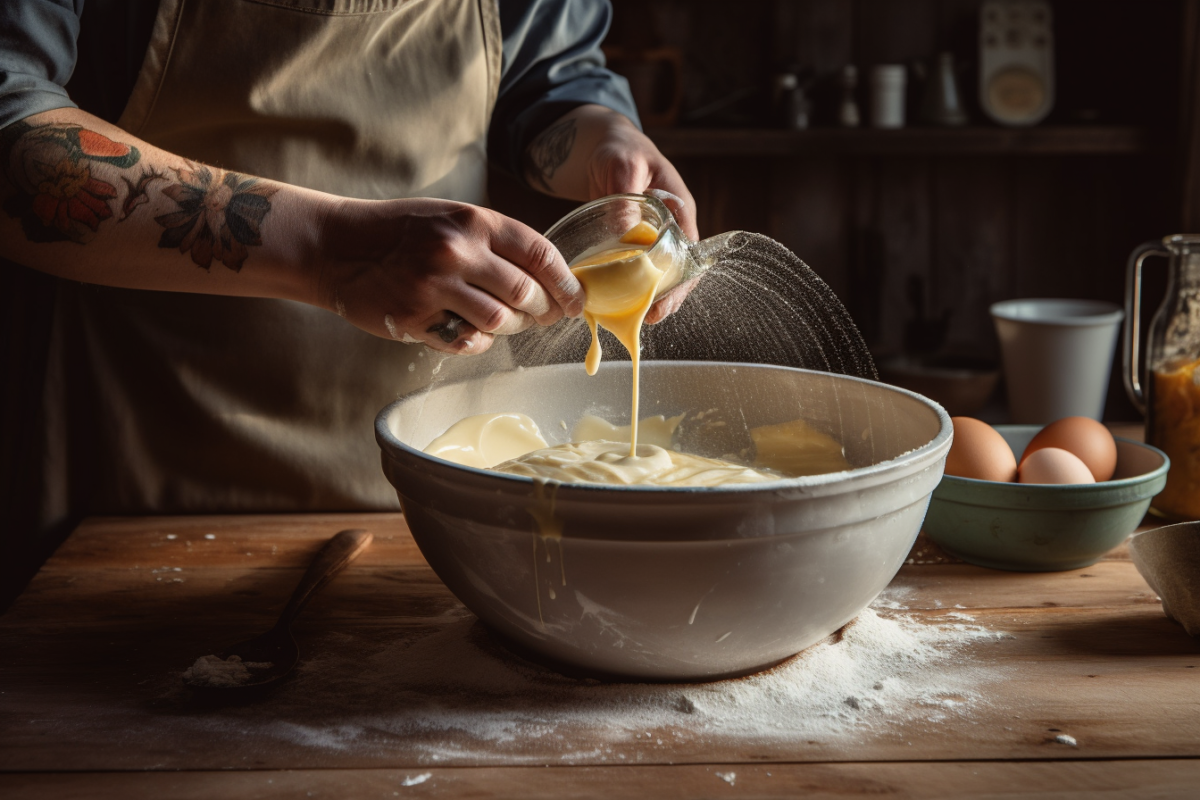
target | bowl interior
x=720, y=402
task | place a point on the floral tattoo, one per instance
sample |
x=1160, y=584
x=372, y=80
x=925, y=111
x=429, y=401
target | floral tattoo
x=65, y=181
x=218, y=217
x=59, y=197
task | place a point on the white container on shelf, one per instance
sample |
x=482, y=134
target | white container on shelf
x=888, y=82
x=1058, y=356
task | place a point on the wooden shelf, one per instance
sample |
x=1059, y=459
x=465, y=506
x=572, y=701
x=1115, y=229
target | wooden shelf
x=1059, y=140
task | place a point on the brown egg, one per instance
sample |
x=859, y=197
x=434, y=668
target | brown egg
x=1054, y=465
x=980, y=452
x=1085, y=438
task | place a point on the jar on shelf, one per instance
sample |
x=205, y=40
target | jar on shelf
x=1162, y=373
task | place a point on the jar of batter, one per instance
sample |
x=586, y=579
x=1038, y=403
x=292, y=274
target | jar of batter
x=644, y=221
x=1162, y=373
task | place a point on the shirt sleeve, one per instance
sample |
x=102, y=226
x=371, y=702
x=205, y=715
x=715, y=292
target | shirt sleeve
x=37, y=55
x=552, y=63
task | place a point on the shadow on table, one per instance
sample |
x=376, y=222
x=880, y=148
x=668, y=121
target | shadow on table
x=1144, y=632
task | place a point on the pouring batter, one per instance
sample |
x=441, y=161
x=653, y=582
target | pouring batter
x=620, y=285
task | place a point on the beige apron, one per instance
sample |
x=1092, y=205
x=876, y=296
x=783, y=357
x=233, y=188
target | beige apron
x=161, y=402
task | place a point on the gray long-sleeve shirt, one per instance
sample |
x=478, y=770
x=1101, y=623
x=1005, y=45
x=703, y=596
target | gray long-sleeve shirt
x=53, y=54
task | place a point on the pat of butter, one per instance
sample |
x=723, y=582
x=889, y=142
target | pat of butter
x=796, y=448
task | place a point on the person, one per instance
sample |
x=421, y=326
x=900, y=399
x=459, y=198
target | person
x=263, y=215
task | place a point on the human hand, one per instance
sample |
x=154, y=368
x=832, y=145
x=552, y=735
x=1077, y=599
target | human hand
x=448, y=274
x=592, y=152
x=626, y=161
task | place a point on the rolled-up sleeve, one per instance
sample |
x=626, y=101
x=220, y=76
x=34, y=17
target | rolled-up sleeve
x=37, y=55
x=552, y=64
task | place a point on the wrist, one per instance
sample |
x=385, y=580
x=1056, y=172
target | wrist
x=301, y=258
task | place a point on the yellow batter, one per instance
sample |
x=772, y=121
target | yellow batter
x=512, y=443
x=657, y=430
x=485, y=440
x=620, y=285
x=609, y=463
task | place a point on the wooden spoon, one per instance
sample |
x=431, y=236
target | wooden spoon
x=272, y=655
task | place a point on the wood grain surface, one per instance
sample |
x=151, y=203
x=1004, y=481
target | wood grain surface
x=91, y=657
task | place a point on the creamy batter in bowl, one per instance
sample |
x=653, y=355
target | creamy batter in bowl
x=670, y=583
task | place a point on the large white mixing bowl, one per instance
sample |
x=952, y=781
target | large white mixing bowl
x=671, y=584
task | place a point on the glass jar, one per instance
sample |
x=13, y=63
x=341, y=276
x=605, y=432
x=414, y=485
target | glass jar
x=600, y=224
x=1162, y=374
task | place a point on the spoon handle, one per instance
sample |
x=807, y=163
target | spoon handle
x=337, y=553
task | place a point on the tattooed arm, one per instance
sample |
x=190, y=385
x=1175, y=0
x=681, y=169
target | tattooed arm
x=84, y=200
x=593, y=151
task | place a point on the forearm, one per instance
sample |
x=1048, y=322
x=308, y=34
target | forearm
x=558, y=161
x=85, y=200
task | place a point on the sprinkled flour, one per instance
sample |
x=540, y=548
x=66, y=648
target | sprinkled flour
x=456, y=694
x=416, y=780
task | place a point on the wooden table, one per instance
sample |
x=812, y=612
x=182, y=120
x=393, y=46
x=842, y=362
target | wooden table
x=91, y=703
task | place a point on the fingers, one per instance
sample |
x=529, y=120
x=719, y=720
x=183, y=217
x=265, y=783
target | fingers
x=672, y=191
x=644, y=173
x=682, y=205
x=669, y=303
x=486, y=313
x=627, y=175
x=444, y=331
x=533, y=253
x=517, y=289
x=449, y=333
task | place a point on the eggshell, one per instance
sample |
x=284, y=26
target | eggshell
x=979, y=452
x=1054, y=465
x=1085, y=438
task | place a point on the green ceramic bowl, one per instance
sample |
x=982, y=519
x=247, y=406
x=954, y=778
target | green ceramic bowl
x=1041, y=528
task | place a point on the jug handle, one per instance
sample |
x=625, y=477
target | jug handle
x=1132, y=355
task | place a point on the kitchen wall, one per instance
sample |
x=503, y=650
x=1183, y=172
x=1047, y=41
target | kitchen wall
x=937, y=229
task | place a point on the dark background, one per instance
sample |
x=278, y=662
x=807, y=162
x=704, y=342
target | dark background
x=959, y=217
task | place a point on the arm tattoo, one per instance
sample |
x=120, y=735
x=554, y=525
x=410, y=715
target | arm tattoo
x=56, y=171
x=549, y=151
x=65, y=181
x=220, y=214
x=138, y=191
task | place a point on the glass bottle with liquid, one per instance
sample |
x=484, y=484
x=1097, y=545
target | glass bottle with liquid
x=1162, y=372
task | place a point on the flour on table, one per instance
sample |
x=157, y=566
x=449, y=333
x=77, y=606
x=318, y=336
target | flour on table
x=214, y=672
x=457, y=696
x=416, y=780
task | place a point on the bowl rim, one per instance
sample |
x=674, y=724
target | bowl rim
x=1042, y=491
x=941, y=441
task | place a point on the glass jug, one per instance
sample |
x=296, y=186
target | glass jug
x=601, y=224
x=1162, y=374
